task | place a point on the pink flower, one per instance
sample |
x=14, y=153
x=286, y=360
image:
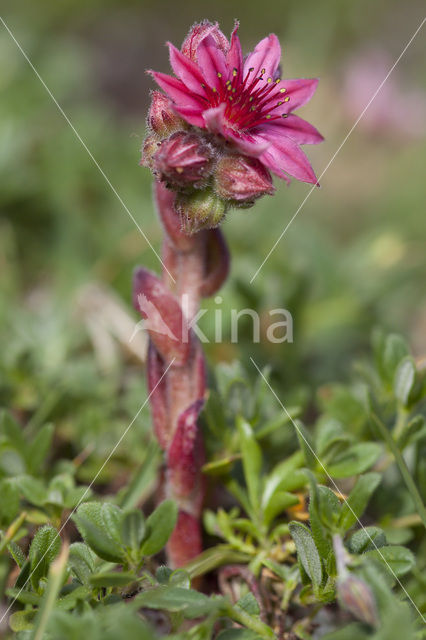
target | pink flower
x=242, y=101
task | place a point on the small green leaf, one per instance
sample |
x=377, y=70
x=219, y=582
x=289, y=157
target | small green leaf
x=112, y=579
x=355, y=504
x=159, y=527
x=22, y=620
x=306, y=446
x=278, y=502
x=99, y=525
x=366, y=539
x=133, y=529
x=414, y=431
x=356, y=459
x=44, y=548
x=238, y=634
x=307, y=551
x=39, y=448
x=81, y=561
x=252, y=461
x=192, y=604
x=249, y=603
x=397, y=559
x=405, y=377
x=32, y=489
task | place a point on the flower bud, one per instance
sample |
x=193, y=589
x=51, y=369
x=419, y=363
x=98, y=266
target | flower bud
x=149, y=149
x=161, y=118
x=242, y=179
x=356, y=596
x=183, y=160
x=165, y=200
x=201, y=209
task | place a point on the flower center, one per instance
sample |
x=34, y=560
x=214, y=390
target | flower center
x=249, y=101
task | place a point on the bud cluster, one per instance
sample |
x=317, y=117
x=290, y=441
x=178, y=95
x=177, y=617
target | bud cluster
x=207, y=176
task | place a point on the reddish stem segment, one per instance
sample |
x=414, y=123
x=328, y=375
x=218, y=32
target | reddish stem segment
x=199, y=265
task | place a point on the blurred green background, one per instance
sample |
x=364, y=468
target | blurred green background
x=354, y=258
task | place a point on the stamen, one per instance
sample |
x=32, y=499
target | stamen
x=287, y=99
x=219, y=75
x=283, y=90
x=234, y=72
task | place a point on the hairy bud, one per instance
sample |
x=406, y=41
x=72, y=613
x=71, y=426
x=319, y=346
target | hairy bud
x=149, y=149
x=242, y=179
x=356, y=596
x=183, y=160
x=200, y=210
x=161, y=118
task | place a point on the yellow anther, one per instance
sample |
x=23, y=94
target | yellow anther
x=284, y=115
x=279, y=103
x=234, y=72
x=269, y=80
x=262, y=72
x=287, y=99
x=278, y=80
x=219, y=75
x=283, y=90
x=268, y=116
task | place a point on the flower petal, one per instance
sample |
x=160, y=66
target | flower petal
x=295, y=128
x=285, y=156
x=191, y=115
x=299, y=90
x=249, y=145
x=266, y=55
x=234, y=56
x=186, y=70
x=196, y=35
x=212, y=63
x=214, y=119
x=176, y=90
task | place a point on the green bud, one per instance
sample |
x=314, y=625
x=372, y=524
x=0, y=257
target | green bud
x=201, y=209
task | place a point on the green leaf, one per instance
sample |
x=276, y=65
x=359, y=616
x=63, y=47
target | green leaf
x=22, y=620
x=9, y=503
x=390, y=350
x=39, y=448
x=252, y=461
x=81, y=561
x=249, y=603
x=133, y=529
x=278, y=502
x=32, y=489
x=99, y=525
x=355, y=504
x=44, y=548
x=405, y=377
x=192, y=604
x=112, y=579
x=282, y=476
x=395, y=558
x=307, y=551
x=159, y=527
x=306, y=446
x=238, y=634
x=366, y=539
x=414, y=431
x=330, y=435
x=356, y=459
